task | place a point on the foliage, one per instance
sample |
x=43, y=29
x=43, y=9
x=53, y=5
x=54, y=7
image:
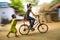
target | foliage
x=54, y=2
x=34, y=2
x=17, y=4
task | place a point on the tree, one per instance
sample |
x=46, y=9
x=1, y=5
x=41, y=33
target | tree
x=34, y=2
x=17, y=4
x=54, y=2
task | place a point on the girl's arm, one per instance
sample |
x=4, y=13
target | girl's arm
x=17, y=19
x=33, y=13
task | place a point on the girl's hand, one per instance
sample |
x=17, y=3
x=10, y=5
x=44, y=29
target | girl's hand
x=36, y=15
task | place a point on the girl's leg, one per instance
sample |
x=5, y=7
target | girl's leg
x=16, y=34
x=8, y=34
x=32, y=20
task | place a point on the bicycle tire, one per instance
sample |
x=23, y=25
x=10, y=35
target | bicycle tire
x=44, y=26
x=25, y=25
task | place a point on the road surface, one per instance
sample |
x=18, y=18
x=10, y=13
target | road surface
x=52, y=34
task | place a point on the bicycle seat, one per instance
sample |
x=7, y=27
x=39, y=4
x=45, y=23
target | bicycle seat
x=25, y=20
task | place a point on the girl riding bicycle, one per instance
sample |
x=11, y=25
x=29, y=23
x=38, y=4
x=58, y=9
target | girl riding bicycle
x=31, y=19
x=24, y=29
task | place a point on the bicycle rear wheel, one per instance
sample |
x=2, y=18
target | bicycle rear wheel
x=24, y=29
x=42, y=28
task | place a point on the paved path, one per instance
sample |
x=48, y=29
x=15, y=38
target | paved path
x=52, y=34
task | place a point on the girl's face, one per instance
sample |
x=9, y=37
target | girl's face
x=14, y=16
x=30, y=6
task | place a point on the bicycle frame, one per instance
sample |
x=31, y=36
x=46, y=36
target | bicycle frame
x=36, y=23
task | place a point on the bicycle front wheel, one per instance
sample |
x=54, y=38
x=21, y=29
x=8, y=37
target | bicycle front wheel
x=24, y=29
x=42, y=28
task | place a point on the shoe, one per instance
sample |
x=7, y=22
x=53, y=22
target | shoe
x=7, y=36
x=32, y=29
x=16, y=36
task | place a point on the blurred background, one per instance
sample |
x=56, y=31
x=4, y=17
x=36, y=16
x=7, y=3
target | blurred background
x=46, y=9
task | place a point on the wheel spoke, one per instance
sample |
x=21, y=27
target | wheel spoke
x=43, y=28
x=24, y=29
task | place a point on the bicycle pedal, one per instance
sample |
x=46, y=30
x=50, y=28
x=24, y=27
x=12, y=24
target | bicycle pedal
x=32, y=29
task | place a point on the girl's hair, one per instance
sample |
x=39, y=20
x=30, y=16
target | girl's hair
x=29, y=4
x=13, y=16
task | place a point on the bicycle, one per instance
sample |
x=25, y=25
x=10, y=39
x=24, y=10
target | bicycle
x=26, y=28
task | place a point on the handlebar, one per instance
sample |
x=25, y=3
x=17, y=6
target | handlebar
x=36, y=16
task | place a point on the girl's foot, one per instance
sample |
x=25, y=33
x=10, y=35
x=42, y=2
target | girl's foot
x=32, y=29
x=7, y=36
x=16, y=35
